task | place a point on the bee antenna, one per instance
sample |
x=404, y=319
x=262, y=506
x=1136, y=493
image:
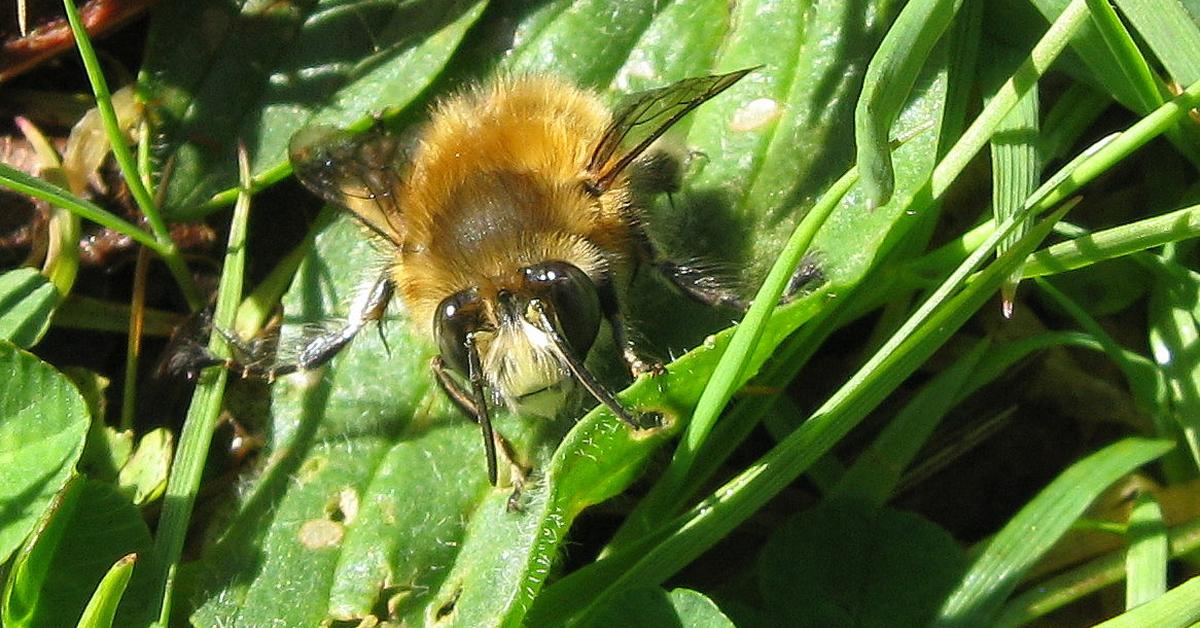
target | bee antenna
x=475, y=374
x=578, y=369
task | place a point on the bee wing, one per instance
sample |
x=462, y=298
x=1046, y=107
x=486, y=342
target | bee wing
x=642, y=117
x=361, y=172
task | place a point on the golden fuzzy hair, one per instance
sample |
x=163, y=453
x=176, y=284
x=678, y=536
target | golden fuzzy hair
x=497, y=184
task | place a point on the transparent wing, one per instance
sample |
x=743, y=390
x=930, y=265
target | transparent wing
x=642, y=117
x=361, y=172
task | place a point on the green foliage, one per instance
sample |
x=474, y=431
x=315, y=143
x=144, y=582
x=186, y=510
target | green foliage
x=369, y=500
x=26, y=301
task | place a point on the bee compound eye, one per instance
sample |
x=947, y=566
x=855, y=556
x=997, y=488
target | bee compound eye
x=457, y=316
x=572, y=298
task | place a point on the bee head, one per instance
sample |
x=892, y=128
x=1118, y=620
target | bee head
x=520, y=353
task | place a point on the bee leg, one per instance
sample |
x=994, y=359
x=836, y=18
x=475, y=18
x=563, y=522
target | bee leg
x=703, y=286
x=472, y=403
x=368, y=307
x=637, y=421
x=610, y=305
x=808, y=275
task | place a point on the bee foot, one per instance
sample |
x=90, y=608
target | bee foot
x=639, y=365
x=807, y=277
x=649, y=420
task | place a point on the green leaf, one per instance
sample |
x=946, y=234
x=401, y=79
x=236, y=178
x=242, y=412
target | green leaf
x=1174, y=326
x=1016, y=165
x=889, y=79
x=27, y=300
x=1179, y=607
x=1171, y=34
x=1146, y=561
x=43, y=422
x=56, y=574
x=102, y=608
x=258, y=72
x=652, y=607
x=144, y=475
x=996, y=572
x=372, y=478
x=847, y=563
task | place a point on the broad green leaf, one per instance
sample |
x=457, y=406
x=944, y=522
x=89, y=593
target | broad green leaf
x=55, y=577
x=585, y=41
x=216, y=74
x=847, y=563
x=26, y=301
x=995, y=573
x=102, y=607
x=25, y=582
x=654, y=607
x=43, y=422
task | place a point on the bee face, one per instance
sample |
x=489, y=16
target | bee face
x=510, y=331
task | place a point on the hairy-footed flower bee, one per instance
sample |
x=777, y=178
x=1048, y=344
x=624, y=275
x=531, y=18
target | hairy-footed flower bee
x=513, y=220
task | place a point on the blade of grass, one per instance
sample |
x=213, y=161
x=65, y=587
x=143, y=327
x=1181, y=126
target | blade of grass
x=879, y=468
x=133, y=345
x=1054, y=593
x=1170, y=32
x=1081, y=252
x=129, y=171
x=1178, y=607
x=1024, y=79
x=102, y=607
x=1073, y=113
x=1016, y=170
x=1133, y=65
x=1146, y=560
x=22, y=183
x=889, y=79
x=98, y=315
x=184, y=481
x=1033, y=530
x=1174, y=326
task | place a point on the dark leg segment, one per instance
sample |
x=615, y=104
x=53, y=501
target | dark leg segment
x=611, y=307
x=475, y=374
x=254, y=358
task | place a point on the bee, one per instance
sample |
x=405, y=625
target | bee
x=513, y=219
